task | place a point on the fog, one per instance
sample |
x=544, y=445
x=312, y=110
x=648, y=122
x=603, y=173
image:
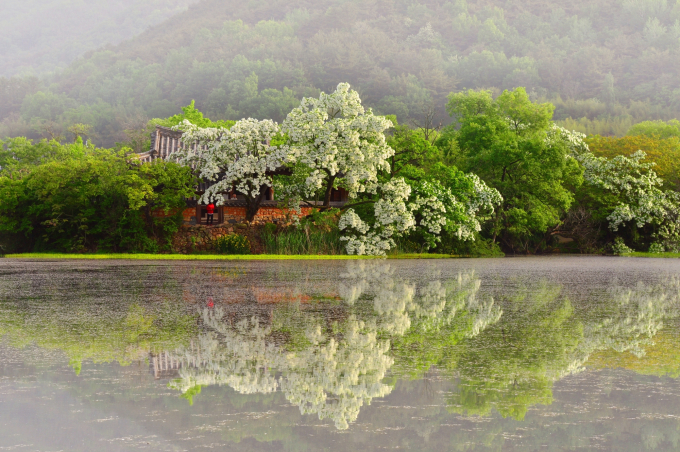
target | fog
x=113, y=65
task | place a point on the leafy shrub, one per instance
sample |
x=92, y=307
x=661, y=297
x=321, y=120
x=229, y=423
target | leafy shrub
x=620, y=248
x=77, y=198
x=656, y=248
x=232, y=244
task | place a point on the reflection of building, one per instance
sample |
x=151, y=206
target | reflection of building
x=165, y=142
x=164, y=365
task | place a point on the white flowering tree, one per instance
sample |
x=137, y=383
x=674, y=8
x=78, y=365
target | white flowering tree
x=240, y=158
x=633, y=189
x=634, y=183
x=340, y=144
x=392, y=216
x=436, y=208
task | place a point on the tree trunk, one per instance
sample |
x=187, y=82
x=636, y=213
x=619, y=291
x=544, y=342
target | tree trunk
x=495, y=225
x=329, y=189
x=254, y=204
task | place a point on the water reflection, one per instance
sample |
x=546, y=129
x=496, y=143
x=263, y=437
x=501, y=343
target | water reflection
x=332, y=346
x=84, y=325
x=504, y=359
x=333, y=366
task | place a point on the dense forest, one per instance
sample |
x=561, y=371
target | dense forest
x=605, y=65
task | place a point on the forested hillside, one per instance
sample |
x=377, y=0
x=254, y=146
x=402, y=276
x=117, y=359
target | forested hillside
x=44, y=35
x=605, y=65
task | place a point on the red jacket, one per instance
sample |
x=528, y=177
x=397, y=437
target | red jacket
x=210, y=208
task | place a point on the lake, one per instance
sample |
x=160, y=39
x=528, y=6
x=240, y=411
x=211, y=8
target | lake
x=536, y=353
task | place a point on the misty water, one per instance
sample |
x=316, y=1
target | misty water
x=564, y=353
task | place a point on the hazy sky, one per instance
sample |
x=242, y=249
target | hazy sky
x=43, y=35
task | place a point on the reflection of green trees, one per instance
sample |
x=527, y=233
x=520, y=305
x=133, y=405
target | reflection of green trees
x=84, y=323
x=515, y=362
x=102, y=336
x=541, y=338
x=89, y=333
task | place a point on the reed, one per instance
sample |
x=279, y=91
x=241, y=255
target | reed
x=303, y=240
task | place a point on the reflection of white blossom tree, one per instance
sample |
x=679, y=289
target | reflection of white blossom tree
x=542, y=338
x=432, y=306
x=330, y=377
x=335, y=372
x=631, y=319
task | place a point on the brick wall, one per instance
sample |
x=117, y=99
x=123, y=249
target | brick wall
x=237, y=215
x=264, y=215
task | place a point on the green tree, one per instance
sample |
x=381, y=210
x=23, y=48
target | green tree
x=656, y=129
x=505, y=141
x=76, y=197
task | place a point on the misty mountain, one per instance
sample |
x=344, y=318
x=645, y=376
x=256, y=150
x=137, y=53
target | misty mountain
x=605, y=65
x=44, y=35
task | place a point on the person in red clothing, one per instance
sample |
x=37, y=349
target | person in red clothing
x=211, y=212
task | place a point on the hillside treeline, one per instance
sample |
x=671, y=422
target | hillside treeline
x=604, y=65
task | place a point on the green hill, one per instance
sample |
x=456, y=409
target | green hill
x=606, y=64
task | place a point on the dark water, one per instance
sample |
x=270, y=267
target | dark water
x=462, y=355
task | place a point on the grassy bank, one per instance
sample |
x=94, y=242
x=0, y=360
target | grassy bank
x=664, y=255
x=206, y=257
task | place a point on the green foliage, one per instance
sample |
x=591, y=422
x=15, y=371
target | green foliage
x=620, y=248
x=512, y=365
x=657, y=129
x=316, y=234
x=191, y=393
x=232, y=244
x=83, y=331
x=656, y=248
x=504, y=141
x=81, y=198
x=191, y=114
x=403, y=60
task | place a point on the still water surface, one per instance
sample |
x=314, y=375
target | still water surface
x=521, y=354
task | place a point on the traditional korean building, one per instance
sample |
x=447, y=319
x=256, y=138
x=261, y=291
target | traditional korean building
x=165, y=142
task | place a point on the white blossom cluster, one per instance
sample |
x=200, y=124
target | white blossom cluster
x=334, y=136
x=237, y=157
x=634, y=182
x=437, y=207
x=432, y=306
x=430, y=206
x=330, y=378
x=575, y=141
x=392, y=216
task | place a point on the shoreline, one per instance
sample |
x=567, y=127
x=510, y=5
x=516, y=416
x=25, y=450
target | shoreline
x=218, y=257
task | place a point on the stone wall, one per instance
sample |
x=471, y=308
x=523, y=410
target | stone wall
x=199, y=238
x=194, y=237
